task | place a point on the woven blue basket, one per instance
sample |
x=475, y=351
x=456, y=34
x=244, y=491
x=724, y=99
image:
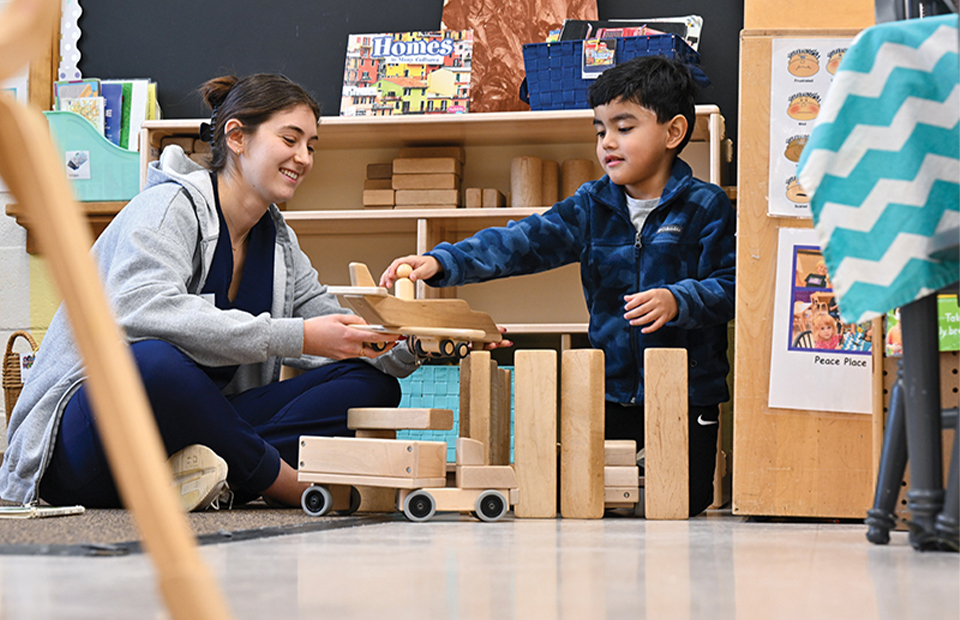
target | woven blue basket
x=554, y=80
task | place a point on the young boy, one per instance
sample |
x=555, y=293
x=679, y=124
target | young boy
x=656, y=250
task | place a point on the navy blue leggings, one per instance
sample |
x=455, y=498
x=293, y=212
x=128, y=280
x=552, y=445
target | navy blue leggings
x=252, y=431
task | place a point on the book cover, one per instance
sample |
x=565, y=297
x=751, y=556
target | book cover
x=133, y=110
x=75, y=89
x=112, y=111
x=90, y=108
x=407, y=73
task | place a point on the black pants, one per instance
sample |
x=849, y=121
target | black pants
x=626, y=422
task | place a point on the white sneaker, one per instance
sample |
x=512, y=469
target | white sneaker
x=200, y=478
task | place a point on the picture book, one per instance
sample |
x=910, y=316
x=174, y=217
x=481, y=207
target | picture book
x=407, y=73
x=90, y=108
x=75, y=89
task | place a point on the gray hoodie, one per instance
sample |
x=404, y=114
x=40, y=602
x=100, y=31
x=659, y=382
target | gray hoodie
x=154, y=259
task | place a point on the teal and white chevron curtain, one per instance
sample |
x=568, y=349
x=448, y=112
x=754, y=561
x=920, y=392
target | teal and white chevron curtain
x=883, y=166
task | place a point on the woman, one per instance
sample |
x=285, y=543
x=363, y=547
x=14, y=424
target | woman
x=213, y=293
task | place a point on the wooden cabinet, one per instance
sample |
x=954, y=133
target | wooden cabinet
x=334, y=228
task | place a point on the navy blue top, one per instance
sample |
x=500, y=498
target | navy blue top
x=256, y=284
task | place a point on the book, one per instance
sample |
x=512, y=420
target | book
x=90, y=108
x=35, y=512
x=688, y=27
x=133, y=110
x=112, y=111
x=75, y=89
x=407, y=73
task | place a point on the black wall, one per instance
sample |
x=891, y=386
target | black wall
x=182, y=43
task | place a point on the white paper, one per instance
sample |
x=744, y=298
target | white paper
x=812, y=378
x=802, y=70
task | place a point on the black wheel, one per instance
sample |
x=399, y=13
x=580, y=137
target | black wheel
x=316, y=501
x=419, y=506
x=463, y=350
x=418, y=347
x=447, y=348
x=377, y=346
x=354, y=503
x=491, y=506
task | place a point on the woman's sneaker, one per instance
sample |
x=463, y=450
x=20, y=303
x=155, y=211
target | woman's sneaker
x=200, y=478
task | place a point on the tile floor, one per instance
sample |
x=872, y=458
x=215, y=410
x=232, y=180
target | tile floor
x=717, y=567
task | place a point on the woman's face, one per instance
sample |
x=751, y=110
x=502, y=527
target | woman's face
x=279, y=154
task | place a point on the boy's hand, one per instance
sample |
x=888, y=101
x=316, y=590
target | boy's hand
x=656, y=307
x=424, y=268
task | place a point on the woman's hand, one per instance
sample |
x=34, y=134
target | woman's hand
x=424, y=268
x=331, y=336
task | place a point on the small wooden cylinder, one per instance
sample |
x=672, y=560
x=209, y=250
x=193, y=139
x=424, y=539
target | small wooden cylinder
x=575, y=172
x=582, y=413
x=551, y=182
x=526, y=181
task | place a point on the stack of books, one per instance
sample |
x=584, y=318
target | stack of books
x=116, y=108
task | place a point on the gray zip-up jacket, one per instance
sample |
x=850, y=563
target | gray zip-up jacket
x=154, y=259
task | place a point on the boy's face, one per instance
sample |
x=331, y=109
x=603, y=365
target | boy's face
x=634, y=149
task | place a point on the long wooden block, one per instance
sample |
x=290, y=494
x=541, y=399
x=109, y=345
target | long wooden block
x=486, y=477
x=378, y=197
x=428, y=165
x=379, y=171
x=475, y=397
x=417, y=197
x=388, y=418
x=473, y=197
x=426, y=181
x=667, y=463
x=373, y=457
x=420, y=152
x=499, y=448
x=535, y=433
x=619, y=452
x=620, y=476
x=493, y=198
x=377, y=481
x=581, y=433
x=470, y=452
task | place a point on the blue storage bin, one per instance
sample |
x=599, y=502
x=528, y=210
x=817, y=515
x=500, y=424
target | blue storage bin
x=554, y=80
x=114, y=171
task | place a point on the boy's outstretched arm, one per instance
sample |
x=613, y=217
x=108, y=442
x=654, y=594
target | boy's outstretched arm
x=424, y=268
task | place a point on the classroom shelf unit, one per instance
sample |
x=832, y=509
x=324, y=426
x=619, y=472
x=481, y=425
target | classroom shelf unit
x=335, y=229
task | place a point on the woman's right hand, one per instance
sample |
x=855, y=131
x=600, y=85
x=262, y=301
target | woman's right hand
x=424, y=268
x=331, y=336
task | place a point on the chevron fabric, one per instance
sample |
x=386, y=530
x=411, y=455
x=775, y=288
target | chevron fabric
x=883, y=166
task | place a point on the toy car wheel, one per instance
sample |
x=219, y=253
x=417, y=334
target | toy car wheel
x=377, y=346
x=316, y=501
x=491, y=506
x=463, y=350
x=418, y=348
x=447, y=348
x=419, y=506
x=354, y=503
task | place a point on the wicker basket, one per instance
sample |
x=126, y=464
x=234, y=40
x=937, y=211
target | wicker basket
x=12, y=384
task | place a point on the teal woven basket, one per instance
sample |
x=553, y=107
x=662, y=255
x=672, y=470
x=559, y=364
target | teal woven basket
x=438, y=387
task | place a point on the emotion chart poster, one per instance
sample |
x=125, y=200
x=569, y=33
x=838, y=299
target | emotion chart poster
x=817, y=363
x=802, y=70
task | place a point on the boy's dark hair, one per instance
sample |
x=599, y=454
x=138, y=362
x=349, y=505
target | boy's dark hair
x=657, y=83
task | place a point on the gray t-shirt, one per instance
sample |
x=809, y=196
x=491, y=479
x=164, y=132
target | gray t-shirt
x=640, y=209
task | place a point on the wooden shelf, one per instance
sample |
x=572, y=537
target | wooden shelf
x=98, y=214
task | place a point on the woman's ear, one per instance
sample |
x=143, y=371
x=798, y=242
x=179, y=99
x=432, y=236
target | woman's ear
x=676, y=130
x=235, y=138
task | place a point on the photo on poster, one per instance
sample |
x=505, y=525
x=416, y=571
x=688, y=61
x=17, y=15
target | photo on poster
x=833, y=360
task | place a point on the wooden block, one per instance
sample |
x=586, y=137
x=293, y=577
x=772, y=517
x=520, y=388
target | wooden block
x=535, y=432
x=486, y=477
x=428, y=165
x=475, y=397
x=373, y=457
x=426, y=181
x=379, y=171
x=421, y=152
x=621, y=495
x=575, y=172
x=376, y=499
x=526, y=181
x=581, y=434
x=470, y=452
x=667, y=463
x=493, y=198
x=416, y=197
x=619, y=452
x=184, y=142
x=378, y=184
x=358, y=480
x=374, y=418
x=551, y=182
x=452, y=499
x=360, y=275
x=498, y=450
x=621, y=476
x=378, y=198
x=473, y=197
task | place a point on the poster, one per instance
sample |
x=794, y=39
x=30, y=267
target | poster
x=817, y=362
x=802, y=70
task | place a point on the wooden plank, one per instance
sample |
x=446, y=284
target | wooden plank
x=581, y=434
x=666, y=443
x=378, y=197
x=535, y=432
x=499, y=447
x=486, y=477
x=475, y=402
x=621, y=476
x=389, y=418
x=426, y=181
x=425, y=197
x=373, y=457
x=428, y=165
x=373, y=481
x=619, y=452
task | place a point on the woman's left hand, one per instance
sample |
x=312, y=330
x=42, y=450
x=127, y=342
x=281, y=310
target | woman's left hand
x=332, y=336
